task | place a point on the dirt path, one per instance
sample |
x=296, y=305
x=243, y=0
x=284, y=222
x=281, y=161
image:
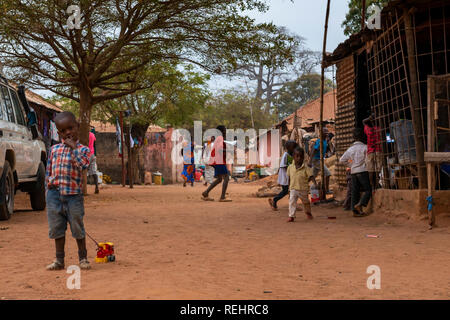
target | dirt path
x=171, y=245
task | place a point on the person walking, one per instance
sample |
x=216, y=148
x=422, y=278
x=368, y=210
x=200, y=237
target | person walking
x=209, y=170
x=283, y=179
x=218, y=161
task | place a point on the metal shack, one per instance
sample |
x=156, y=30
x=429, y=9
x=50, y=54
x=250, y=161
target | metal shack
x=401, y=74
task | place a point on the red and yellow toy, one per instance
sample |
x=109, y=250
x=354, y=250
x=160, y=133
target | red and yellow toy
x=105, y=252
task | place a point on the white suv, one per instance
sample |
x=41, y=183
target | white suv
x=22, y=152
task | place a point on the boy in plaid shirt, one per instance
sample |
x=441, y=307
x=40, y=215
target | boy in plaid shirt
x=64, y=196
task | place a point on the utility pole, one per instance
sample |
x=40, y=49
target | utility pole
x=130, y=160
x=121, y=144
x=363, y=15
x=323, y=194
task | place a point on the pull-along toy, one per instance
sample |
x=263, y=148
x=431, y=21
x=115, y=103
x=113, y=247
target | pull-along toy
x=105, y=251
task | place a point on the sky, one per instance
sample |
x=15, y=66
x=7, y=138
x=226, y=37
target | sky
x=305, y=18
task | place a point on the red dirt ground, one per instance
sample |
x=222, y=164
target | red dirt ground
x=171, y=245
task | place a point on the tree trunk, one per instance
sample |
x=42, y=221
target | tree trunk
x=259, y=88
x=85, y=115
x=85, y=122
x=137, y=174
x=138, y=130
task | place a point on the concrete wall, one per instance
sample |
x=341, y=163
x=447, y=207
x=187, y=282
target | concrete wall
x=411, y=203
x=155, y=156
x=158, y=156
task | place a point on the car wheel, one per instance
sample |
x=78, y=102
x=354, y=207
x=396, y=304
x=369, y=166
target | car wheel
x=7, y=192
x=37, y=195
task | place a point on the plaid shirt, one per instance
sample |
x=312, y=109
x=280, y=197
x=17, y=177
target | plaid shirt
x=373, y=139
x=64, y=167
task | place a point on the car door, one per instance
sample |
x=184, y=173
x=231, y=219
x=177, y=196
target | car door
x=12, y=132
x=30, y=151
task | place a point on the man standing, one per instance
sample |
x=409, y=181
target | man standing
x=374, y=158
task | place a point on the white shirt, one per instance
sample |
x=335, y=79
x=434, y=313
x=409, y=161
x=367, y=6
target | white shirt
x=283, y=178
x=357, y=154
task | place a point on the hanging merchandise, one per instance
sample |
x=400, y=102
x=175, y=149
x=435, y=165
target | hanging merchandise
x=53, y=131
x=118, y=135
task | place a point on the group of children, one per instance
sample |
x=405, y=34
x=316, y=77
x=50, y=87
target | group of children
x=363, y=163
x=69, y=158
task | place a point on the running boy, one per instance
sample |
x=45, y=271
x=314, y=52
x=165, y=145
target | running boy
x=283, y=179
x=64, y=195
x=299, y=177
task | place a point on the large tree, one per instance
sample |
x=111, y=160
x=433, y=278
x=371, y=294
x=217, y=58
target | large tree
x=274, y=68
x=104, y=58
x=299, y=92
x=178, y=93
x=236, y=110
x=352, y=22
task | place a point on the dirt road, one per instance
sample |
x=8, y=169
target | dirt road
x=171, y=245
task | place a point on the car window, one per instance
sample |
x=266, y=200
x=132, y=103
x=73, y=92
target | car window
x=7, y=105
x=2, y=109
x=18, y=108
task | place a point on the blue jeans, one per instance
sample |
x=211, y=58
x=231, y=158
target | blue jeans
x=63, y=209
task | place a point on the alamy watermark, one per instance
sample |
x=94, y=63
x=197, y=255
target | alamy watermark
x=74, y=20
x=74, y=281
x=374, y=20
x=242, y=146
x=374, y=281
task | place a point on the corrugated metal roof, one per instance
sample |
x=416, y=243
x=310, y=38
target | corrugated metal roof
x=37, y=99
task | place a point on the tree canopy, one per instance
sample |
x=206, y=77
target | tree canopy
x=236, y=110
x=104, y=59
x=352, y=22
x=298, y=92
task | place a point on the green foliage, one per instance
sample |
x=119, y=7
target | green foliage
x=104, y=59
x=352, y=22
x=235, y=110
x=297, y=93
x=176, y=94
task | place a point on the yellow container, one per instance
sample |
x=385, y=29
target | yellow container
x=101, y=260
x=157, y=179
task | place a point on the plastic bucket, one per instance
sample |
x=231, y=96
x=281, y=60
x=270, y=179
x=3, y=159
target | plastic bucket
x=157, y=178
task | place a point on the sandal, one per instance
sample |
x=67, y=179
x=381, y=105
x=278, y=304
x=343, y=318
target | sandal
x=84, y=264
x=55, y=265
